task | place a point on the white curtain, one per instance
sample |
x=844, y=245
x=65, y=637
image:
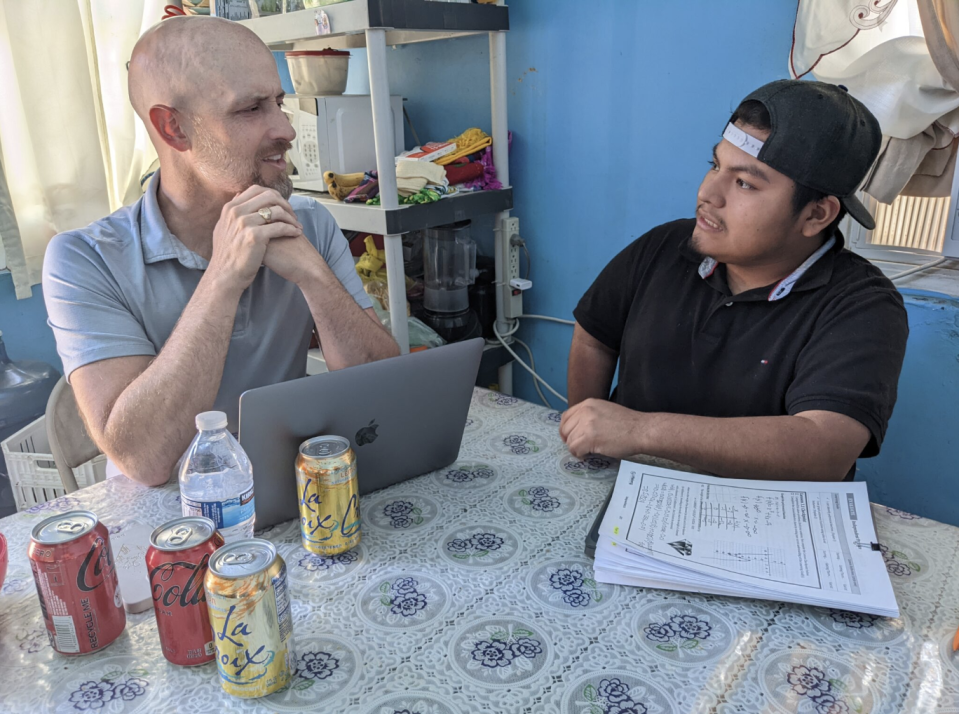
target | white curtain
x=878, y=50
x=71, y=147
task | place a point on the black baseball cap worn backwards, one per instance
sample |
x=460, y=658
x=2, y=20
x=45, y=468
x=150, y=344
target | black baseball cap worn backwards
x=820, y=137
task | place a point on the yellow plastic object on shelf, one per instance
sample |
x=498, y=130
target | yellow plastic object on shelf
x=372, y=264
x=371, y=267
x=469, y=142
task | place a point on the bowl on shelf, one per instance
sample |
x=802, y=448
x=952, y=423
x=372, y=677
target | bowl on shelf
x=316, y=72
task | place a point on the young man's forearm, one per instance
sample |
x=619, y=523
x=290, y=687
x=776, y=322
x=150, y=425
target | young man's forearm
x=781, y=447
x=152, y=421
x=347, y=334
x=590, y=370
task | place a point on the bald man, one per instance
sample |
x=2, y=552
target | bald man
x=211, y=283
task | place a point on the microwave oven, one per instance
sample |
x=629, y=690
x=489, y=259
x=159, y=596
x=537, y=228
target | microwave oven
x=335, y=133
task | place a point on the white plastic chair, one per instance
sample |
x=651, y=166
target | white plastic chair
x=70, y=444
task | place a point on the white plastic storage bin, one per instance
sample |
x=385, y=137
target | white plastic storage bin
x=33, y=473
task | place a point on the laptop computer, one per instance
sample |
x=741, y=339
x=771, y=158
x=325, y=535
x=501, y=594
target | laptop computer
x=404, y=417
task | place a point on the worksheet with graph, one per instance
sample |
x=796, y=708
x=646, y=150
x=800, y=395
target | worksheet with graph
x=770, y=534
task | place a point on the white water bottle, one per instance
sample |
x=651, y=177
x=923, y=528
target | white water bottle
x=216, y=479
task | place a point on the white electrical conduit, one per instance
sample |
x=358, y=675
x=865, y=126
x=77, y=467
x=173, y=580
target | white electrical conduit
x=917, y=269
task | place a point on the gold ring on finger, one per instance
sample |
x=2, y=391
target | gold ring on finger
x=266, y=214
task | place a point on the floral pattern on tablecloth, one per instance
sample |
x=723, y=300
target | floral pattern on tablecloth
x=615, y=692
x=515, y=624
x=113, y=684
x=495, y=400
x=900, y=519
x=904, y=563
x=467, y=476
x=17, y=583
x=551, y=419
x=480, y=546
x=592, y=467
x=473, y=425
x=816, y=682
x=859, y=627
x=306, y=568
x=403, y=601
x=400, y=515
x=326, y=667
x=52, y=508
x=541, y=502
x=521, y=443
x=25, y=644
x=568, y=586
x=500, y=652
x=683, y=633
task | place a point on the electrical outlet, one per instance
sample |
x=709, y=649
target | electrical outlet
x=512, y=297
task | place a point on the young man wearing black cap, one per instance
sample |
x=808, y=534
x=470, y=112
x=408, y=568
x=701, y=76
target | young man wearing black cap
x=750, y=342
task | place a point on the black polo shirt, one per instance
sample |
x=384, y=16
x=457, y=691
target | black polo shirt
x=834, y=340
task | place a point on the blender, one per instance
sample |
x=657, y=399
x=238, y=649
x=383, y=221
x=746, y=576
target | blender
x=449, y=268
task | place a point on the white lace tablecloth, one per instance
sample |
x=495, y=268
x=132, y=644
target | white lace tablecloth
x=470, y=592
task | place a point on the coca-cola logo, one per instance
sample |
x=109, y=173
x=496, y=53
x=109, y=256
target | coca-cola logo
x=169, y=593
x=101, y=559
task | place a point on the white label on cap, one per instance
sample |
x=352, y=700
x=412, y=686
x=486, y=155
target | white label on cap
x=737, y=137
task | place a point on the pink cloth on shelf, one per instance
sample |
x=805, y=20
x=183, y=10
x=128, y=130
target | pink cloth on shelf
x=488, y=181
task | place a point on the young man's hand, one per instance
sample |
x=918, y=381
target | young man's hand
x=596, y=426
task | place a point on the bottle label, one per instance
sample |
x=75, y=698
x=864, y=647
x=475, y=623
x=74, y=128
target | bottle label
x=225, y=514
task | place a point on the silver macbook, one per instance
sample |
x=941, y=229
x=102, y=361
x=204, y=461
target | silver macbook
x=403, y=416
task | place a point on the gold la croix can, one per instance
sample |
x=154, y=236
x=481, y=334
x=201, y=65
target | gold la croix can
x=329, y=495
x=249, y=606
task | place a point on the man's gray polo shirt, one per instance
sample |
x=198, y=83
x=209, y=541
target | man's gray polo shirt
x=117, y=288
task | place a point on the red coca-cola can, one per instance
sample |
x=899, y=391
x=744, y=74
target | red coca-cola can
x=77, y=583
x=177, y=563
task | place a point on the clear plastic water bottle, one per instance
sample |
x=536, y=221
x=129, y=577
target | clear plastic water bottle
x=216, y=479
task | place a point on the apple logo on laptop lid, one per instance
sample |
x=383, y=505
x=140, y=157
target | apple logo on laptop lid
x=367, y=435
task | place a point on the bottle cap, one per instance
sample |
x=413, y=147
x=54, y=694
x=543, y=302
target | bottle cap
x=207, y=421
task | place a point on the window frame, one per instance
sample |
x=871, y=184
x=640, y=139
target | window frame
x=858, y=240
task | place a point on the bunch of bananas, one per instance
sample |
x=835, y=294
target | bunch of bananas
x=341, y=185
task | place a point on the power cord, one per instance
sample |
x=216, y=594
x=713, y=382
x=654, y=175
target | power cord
x=522, y=364
x=548, y=319
x=517, y=242
x=532, y=366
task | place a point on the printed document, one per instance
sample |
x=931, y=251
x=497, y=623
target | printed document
x=797, y=541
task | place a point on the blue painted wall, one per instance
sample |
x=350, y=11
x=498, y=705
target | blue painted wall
x=24, y=325
x=917, y=469
x=615, y=119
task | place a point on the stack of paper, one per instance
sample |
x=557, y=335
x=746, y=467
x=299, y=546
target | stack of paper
x=797, y=541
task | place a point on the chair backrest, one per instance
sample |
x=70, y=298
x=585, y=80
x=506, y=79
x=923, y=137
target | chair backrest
x=69, y=442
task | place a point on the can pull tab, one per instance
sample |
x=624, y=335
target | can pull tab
x=180, y=535
x=237, y=558
x=69, y=527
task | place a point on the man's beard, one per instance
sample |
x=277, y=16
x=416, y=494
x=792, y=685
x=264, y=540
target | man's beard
x=282, y=184
x=221, y=167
